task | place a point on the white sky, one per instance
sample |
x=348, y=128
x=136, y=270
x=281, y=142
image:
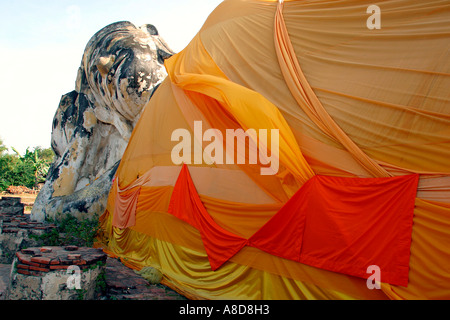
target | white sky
x=42, y=43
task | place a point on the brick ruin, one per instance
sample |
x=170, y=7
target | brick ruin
x=42, y=272
x=57, y=273
x=16, y=228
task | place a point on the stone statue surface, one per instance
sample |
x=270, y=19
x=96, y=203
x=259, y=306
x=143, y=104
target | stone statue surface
x=121, y=67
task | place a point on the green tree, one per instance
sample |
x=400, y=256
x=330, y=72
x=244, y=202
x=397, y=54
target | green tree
x=6, y=166
x=3, y=148
x=45, y=154
x=24, y=170
x=33, y=161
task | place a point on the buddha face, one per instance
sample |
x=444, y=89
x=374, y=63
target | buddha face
x=122, y=65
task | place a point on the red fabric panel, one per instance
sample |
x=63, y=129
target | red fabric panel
x=220, y=244
x=338, y=224
x=353, y=223
x=282, y=234
x=345, y=225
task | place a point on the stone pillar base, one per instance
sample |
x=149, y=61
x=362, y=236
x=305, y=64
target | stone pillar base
x=57, y=273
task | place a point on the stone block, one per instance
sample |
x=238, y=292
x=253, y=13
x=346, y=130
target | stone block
x=39, y=275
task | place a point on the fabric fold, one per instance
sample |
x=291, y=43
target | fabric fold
x=125, y=207
x=338, y=224
x=308, y=101
x=185, y=204
x=250, y=109
x=391, y=102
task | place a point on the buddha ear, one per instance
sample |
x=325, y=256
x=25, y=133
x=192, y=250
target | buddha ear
x=150, y=29
x=104, y=64
x=163, y=55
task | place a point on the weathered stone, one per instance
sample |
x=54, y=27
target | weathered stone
x=52, y=284
x=9, y=201
x=41, y=260
x=12, y=242
x=73, y=256
x=121, y=67
x=37, y=275
x=11, y=206
x=28, y=251
x=124, y=284
x=15, y=236
x=135, y=287
x=70, y=248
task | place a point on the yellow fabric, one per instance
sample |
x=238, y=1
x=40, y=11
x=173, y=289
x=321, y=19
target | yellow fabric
x=308, y=101
x=195, y=71
x=386, y=91
x=430, y=254
x=187, y=270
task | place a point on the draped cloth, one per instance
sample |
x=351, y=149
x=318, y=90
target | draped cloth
x=308, y=101
x=363, y=178
x=340, y=224
x=125, y=207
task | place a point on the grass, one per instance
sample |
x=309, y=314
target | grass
x=70, y=231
